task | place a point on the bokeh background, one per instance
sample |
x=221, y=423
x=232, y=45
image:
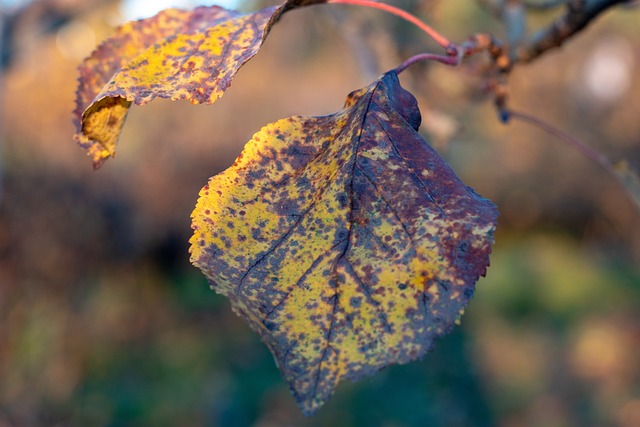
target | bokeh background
x=103, y=321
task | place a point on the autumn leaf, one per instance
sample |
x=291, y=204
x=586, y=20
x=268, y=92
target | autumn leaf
x=177, y=54
x=345, y=240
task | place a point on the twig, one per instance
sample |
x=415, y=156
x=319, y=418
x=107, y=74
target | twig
x=578, y=15
x=587, y=151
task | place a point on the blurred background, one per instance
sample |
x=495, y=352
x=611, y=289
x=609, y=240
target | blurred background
x=103, y=321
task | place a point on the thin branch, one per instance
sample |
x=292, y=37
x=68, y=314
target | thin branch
x=583, y=148
x=578, y=145
x=578, y=15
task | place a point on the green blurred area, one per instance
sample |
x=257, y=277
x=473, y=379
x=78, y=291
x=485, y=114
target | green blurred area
x=103, y=322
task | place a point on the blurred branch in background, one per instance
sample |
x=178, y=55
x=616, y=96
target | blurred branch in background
x=522, y=48
x=355, y=33
x=578, y=14
x=24, y=24
x=30, y=21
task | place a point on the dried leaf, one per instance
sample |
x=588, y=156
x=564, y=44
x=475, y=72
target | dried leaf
x=345, y=241
x=177, y=54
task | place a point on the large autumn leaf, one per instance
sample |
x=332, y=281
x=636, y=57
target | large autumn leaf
x=346, y=241
x=177, y=54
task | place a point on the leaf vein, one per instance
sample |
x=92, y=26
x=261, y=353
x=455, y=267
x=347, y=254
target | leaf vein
x=395, y=214
x=274, y=246
x=328, y=342
x=314, y=264
x=383, y=316
x=410, y=169
x=353, y=168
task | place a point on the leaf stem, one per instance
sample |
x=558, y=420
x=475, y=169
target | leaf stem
x=451, y=59
x=439, y=38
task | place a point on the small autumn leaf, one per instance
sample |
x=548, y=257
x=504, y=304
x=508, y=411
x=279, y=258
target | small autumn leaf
x=345, y=240
x=177, y=54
